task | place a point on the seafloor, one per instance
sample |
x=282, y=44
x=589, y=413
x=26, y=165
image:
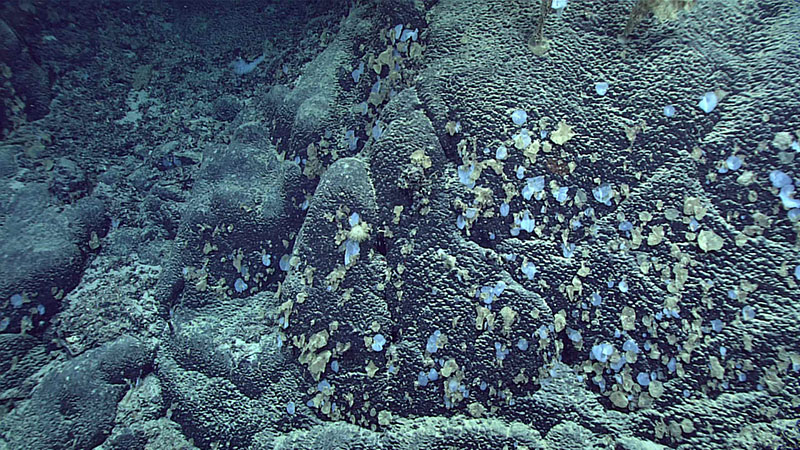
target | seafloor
x=400, y=224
